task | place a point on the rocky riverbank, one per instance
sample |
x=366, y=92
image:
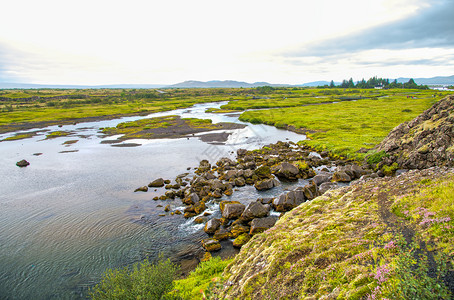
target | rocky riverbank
x=264, y=169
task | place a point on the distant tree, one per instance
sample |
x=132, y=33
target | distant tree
x=411, y=84
x=331, y=84
x=350, y=83
x=344, y=84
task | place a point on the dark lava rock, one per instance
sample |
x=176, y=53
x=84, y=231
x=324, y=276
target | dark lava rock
x=212, y=225
x=286, y=171
x=326, y=186
x=23, y=163
x=233, y=210
x=341, y=176
x=261, y=224
x=289, y=201
x=266, y=184
x=322, y=178
x=254, y=210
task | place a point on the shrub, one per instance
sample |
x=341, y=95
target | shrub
x=144, y=281
x=375, y=158
x=199, y=280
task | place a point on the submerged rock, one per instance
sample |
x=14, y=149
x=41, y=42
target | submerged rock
x=23, y=163
x=141, y=189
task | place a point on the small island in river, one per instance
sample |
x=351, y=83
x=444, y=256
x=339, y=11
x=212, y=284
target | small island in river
x=166, y=127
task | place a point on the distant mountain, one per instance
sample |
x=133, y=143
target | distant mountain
x=220, y=84
x=216, y=84
x=318, y=83
x=439, y=80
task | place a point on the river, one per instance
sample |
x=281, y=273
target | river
x=72, y=213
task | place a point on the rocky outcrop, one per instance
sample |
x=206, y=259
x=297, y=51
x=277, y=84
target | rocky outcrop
x=325, y=248
x=426, y=141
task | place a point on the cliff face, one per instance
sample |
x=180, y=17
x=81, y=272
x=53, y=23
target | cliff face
x=426, y=141
x=353, y=242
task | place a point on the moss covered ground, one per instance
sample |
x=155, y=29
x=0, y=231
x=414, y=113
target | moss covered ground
x=345, y=127
x=385, y=238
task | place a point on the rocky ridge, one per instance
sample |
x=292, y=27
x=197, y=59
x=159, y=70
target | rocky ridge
x=424, y=142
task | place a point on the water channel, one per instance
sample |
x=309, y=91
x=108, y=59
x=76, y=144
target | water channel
x=72, y=213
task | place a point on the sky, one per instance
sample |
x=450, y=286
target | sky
x=93, y=42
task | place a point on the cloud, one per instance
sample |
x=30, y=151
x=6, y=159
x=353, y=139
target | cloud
x=429, y=27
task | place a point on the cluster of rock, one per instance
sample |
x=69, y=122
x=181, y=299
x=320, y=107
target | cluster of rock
x=264, y=168
x=424, y=142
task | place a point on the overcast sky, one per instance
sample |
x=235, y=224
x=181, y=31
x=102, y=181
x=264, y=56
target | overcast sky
x=169, y=41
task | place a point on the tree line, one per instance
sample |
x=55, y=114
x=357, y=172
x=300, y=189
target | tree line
x=378, y=82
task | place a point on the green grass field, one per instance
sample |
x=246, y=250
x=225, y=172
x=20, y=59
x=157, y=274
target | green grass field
x=346, y=127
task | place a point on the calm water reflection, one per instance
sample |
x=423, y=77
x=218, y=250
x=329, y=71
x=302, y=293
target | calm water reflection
x=68, y=216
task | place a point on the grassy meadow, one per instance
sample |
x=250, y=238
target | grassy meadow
x=344, y=127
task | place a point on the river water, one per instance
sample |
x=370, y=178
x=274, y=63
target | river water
x=72, y=213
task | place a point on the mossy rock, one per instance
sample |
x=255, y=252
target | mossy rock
x=263, y=172
x=211, y=245
x=241, y=240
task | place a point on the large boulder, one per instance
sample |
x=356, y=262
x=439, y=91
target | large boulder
x=322, y=178
x=212, y=225
x=222, y=234
x=263, y=172
x=310, y=191
x=239, y=229
x=286, y=171
x=241, y=152
x=266, y=184
x=157, y=183
x=233, y=210
x=261, y=224
x=326, y=186
x=204, y=166
x=286, y=202
x=193, y=198
x=341, y=176
x=254, y=210
x=354, y=171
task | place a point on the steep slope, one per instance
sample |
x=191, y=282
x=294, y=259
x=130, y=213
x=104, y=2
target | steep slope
x=383, y=237
x=426, y=141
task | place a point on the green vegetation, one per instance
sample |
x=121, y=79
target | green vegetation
x=20, y=136
x=56, y=134
x=204, y=277
x=164, y=127
x=347, y=244
x=346, y=127
x=158, y=281
x=144, y=281
x=58, y=105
